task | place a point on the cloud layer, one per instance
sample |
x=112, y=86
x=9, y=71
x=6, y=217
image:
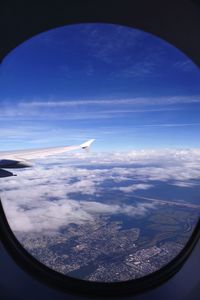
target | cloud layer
x=81, y=109
x=65, y=189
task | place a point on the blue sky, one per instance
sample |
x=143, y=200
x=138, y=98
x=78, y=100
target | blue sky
x=123, y=87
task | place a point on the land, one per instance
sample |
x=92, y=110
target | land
x=108, y=251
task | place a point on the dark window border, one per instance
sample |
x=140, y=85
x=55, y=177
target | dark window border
x=156, y=17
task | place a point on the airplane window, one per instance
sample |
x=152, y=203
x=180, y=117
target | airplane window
x=122, y=201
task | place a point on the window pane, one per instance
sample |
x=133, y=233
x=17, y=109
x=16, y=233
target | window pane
x=128, y=206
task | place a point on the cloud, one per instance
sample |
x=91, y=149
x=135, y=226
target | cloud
x=184, y=184
x=34, y=111
x=106, y=42
x=51, y=216
x=171, y=125
x=185, y=65
x=135, y=187
x=72, y=188
x=151, y=101
x=40, y=199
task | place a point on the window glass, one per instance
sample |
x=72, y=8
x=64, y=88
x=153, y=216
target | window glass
x=126, y=207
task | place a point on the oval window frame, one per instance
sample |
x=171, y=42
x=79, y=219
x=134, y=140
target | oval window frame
x=112, y=15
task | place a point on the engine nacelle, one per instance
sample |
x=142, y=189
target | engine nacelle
x=13, y=164
x=4, y=173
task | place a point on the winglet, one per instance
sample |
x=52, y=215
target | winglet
x=87, y=144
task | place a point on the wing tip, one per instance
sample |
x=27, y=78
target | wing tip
x=87, y=144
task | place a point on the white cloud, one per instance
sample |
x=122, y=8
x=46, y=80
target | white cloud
x=52, y=215
x=45, y=197
x=135, y=187
x=184, y=184
x=81, y=109
x=137, y=101
x=185, y=65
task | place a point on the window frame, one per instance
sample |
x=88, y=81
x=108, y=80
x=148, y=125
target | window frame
x=75, y=13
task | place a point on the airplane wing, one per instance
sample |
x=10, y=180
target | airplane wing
x=17, y=159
